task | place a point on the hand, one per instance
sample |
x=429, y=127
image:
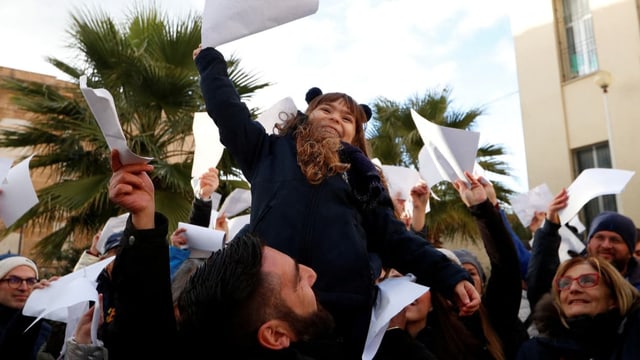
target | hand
x=221, y=223
x=43, y=283
x=131, y=188
x=473, y=195
x=93, y=250
x=467, y=298
x=488, y=188
x=179, y=238
x=197, y=51
x=208, y=183
x=420, y=197
x=558, y=203
x=82, y=334
x=536, y=221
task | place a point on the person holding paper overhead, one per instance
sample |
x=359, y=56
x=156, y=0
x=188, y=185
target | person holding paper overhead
x=611, y=236
x=317, y=197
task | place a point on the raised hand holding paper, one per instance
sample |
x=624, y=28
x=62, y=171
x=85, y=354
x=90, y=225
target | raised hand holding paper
x=590, y=184
x=228, y=20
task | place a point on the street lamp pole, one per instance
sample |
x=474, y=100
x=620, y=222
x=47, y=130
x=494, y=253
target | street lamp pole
x=603, y=80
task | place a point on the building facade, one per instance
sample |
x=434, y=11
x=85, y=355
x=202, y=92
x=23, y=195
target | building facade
x=578, y=64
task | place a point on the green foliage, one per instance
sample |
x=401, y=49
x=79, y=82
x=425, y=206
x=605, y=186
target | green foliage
x=395, y=140
x=146, y=64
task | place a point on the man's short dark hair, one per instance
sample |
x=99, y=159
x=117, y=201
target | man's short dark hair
x=224, y=300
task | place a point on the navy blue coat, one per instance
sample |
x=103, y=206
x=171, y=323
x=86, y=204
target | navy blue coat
x=320, y=225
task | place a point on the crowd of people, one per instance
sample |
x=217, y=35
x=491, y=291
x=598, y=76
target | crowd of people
x=300, y=281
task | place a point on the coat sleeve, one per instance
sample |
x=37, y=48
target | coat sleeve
x=544, y=262
x=240, y=135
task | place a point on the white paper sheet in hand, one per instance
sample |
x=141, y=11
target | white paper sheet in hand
x=590, y=184
x=277, y=113
x=202, y=238
x=113, y=225
x=238, y=201
x=447, y=152
x=236, y=223
x=536, y=199
x=208, y=148
x=18, y=194
x=103, y=109
x=227, y=20
x=394, y=295
x=52, y=302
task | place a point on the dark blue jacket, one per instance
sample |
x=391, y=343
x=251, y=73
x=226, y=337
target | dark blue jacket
x=321, y=225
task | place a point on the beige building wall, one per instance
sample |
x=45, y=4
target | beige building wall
x=560, y=116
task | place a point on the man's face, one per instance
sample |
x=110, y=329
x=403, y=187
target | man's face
x=16, y=298
x=611, y=247
x=335, y=119
x=300, y=308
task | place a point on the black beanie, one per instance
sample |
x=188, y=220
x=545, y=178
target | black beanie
x=617, y=223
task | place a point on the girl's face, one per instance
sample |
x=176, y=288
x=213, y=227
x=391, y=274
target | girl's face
x=335, y=119
x=475, y=275
x=583, y=292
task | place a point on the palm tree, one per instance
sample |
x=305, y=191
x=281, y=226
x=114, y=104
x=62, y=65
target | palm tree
x=146, y=64
x=394, y=140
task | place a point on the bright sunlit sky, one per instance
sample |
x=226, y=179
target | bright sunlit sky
x=367, y=48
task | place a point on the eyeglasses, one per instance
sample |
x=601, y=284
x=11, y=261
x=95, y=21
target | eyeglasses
x=15, y=282
x=585, y=281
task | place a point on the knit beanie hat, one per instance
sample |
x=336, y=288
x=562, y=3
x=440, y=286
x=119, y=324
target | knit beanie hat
x=10, y=261
x=617, y=223
x=466, y=256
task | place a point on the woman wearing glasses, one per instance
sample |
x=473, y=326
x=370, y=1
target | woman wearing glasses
x=590, y=313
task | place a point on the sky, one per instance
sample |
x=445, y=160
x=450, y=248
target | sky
x=395, y=49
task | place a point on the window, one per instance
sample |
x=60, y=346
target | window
x=595, y=156
x=577, y=42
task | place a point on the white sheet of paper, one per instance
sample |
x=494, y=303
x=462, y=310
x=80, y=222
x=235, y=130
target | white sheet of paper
x=227, y=20
x=526, y=204
x=113, y=225
x=202, y=238
x=590, y=184
x=447, y=151
x=400, y=180
x=5, y=166
x=394, y=295
x=236, y=223
x=208, y=148
x=237, y=201
x=277, y=113
x=103, y=109
x=53, y=301
x=18, y=194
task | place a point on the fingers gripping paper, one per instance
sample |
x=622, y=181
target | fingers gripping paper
x=228, y=20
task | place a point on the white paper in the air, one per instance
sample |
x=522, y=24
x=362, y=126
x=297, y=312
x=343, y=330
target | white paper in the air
x=526, y=204
x=202, y=238
x=277, y=113
x=447, y=152
x=18, y=194
x=227, y=20
x=104, y=110
x=113, y=225
x=236, y=202
x=590, y=184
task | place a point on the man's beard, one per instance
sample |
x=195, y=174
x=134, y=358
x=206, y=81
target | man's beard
x=312, y=326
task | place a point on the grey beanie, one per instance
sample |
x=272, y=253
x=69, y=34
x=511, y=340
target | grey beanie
x=617, y=223
x=466, y=256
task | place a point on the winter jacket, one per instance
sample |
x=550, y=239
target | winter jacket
x=321, y=226
x=15, y=343
x=607, y=336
